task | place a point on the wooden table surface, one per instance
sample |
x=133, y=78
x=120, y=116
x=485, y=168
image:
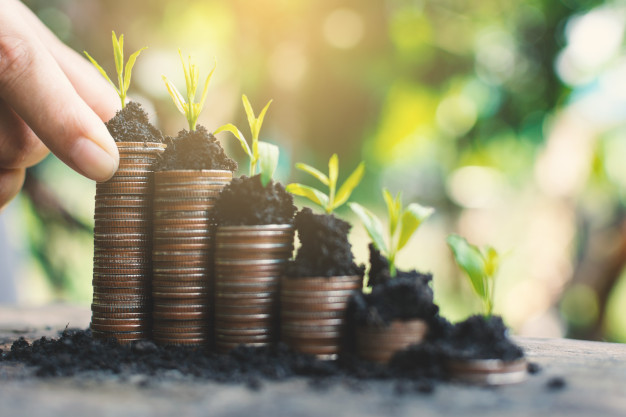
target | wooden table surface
x=595, y=376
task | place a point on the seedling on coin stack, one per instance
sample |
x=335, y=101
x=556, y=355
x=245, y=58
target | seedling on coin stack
x=254, y=240
x=478, y=340
x=317, y=284
x=397, y=311
x=123, y=219
x=190, y=175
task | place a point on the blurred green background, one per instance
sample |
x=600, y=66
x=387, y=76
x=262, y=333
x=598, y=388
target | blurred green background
x=507, y=116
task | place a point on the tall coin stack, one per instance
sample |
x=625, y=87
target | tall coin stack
x=249, y=261
x=121, y=307
x=183, y=254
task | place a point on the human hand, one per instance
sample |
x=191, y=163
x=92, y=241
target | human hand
x=51, y=99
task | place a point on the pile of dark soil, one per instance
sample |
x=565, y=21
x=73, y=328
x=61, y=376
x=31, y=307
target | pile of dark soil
x=195, y=150
x=403, y=298
x=246, y=202
x=325, y=250
x=407, y=296
x=480, y=337
x=131, y=125
x=76, y=352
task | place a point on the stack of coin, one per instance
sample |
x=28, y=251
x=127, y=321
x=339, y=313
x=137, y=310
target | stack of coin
x=249, y=261
x=123, y=245
x=380, y=343
x=313, y=311
x=182, y=254
x=489, y=372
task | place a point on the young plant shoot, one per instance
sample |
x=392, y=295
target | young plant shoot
x=335, y=198
x=263, y=155
x=481, y=266
x=189, y=107
x=403, y=223
x=123, y=74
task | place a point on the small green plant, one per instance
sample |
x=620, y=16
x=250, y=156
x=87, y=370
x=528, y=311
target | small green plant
x=335, y=198
x=123, y=74
x=481, y=266
x=189, y=107
x=403, y=223
x=263, y=156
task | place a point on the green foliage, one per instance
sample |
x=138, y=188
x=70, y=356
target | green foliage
x=189, y=107
x=481, y=266
x=123, y=74
x=335, y=198
x=403, y=223
x=263, y=156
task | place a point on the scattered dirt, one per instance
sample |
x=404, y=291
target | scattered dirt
x=195, y=150
x=325, y=250
x=534, y=368
x=556, y=384
x=76, y=352
x=246, y=202
x=131, y=125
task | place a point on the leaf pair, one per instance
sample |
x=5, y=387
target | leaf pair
x=335, y=198
x=481, y=266
x=189, y=107
x=403, y=223
x=263, y=155
x=123, y=74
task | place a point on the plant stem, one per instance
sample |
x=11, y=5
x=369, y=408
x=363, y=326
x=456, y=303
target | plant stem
x=392, y=265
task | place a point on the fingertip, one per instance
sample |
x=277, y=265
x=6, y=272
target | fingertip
x=11, y=181
x=91, y=160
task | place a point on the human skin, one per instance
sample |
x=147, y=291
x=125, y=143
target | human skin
x=51, y=100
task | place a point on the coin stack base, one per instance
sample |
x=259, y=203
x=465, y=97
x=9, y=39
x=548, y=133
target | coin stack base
x=313, y=311
x=121, y=307
x=380, y=343
x=249, y=261
x=182, y=254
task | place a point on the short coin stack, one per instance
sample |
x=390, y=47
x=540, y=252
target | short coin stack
x=121, y=305
x=313, y=311
x=379, y=343
x=182, y=254
x=249, y=261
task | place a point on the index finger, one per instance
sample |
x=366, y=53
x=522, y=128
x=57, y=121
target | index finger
x=34, y=85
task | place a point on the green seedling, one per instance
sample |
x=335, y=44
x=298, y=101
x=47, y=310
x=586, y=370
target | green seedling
x=335, y=198
x=189, y=107
x=403, y=223
x=263, y=156
x=123, y=74
x=481, y=266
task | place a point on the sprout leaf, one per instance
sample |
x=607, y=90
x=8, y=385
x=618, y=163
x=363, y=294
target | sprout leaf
x=268, y=161
x=321, y=177
x=372, y=224
x=233, y=129
x=311, y=193
x=349, y=185
x=123, y=75
x=411, y=219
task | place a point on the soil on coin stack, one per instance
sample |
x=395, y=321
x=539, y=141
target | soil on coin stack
x=131, y=125
x=194, y=150
x=407, y=296
x=246, y=202
x=325, y=250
